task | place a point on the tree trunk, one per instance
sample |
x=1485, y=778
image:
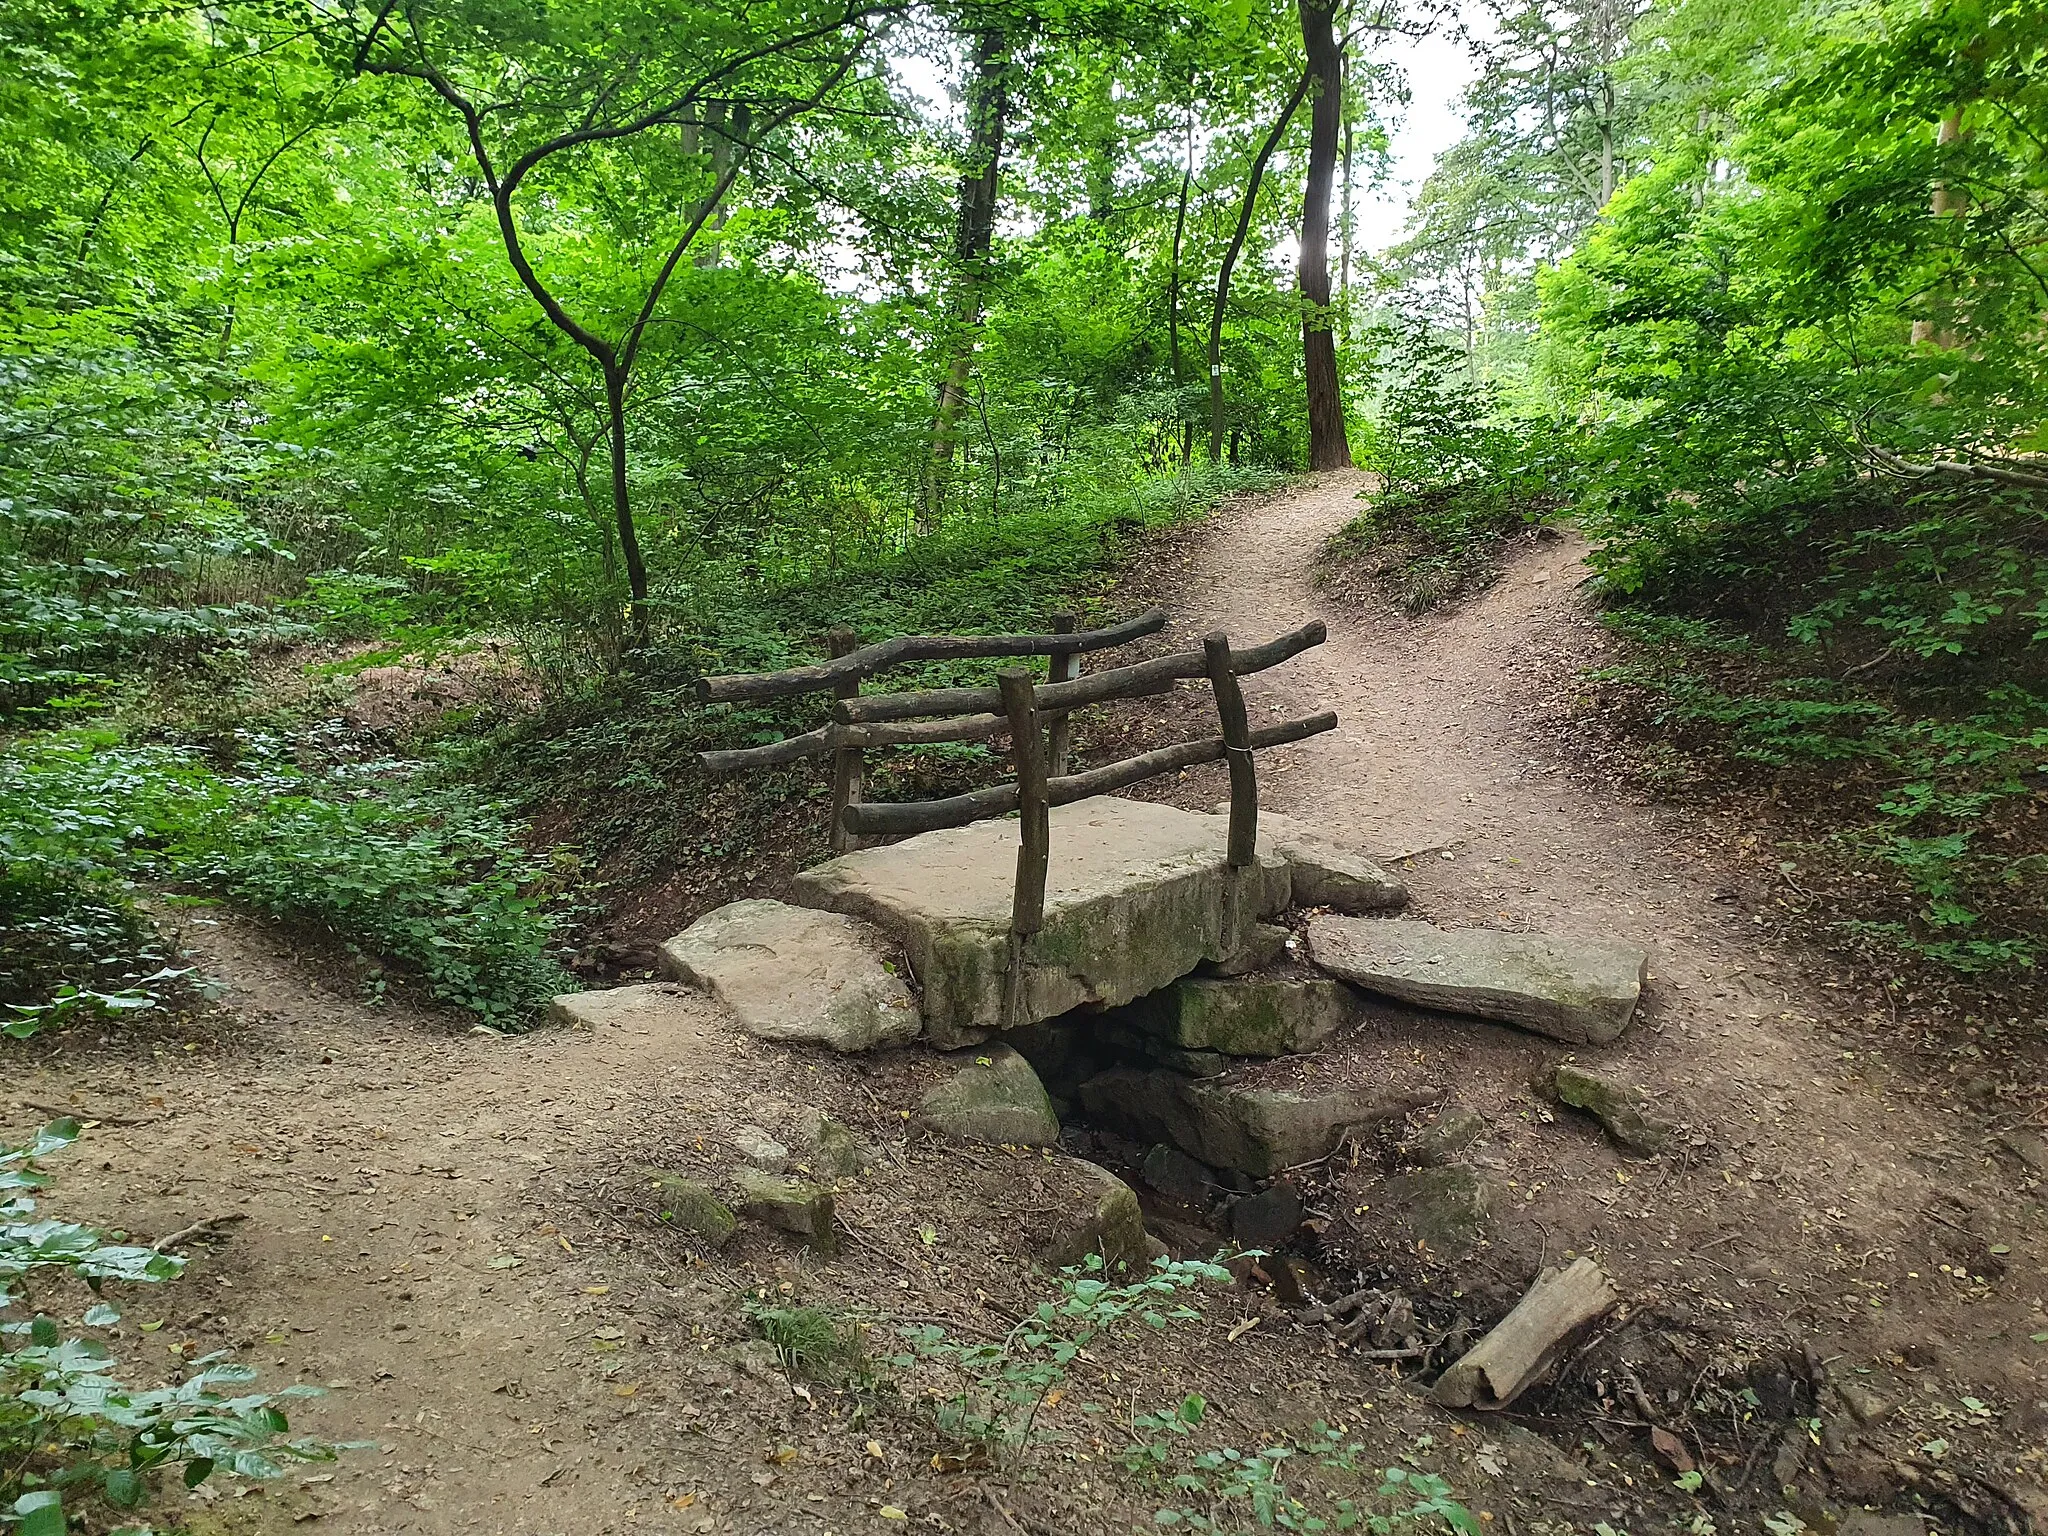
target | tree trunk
x=1180, y=224
x=622, y=503
x=1940, y=328
x=974, y=240
x=1230, y=255
x=1328, y=446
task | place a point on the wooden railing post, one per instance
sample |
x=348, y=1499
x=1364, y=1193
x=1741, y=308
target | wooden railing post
x=1063, y=668
x=847, y=762
x=1034, y=832
x=1237, y=750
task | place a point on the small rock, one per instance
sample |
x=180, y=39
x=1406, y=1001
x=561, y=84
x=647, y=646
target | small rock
x=1790, y=1460
x=1268, y=946
x=1326, y=872
x=790, y=1205
x=760, y=1149
x=1865, y=1405
x=1445, y=1137
x=691, y=1207
x=797, y=976
x=1580, y=990
x=1267, y=1219
x=1177, y=1176
x=996, y=1097
x=1862, y=1477
x=1449, y=1208
x=1863, y=1522
x=1616, y=1107
x=1107, y=1221
x=834, y=1149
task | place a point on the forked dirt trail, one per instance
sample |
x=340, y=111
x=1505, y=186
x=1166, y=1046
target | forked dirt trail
x=450, y=1229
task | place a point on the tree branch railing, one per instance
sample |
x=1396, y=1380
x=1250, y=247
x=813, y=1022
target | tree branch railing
x=1036, y=715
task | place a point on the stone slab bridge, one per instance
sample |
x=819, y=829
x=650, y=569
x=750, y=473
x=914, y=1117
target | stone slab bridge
x=1165, y=943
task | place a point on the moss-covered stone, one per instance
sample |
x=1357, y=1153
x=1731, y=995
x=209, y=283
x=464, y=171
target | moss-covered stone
x=995, y=1097
x=1106, y=1220
x=1616, y=1107
x=1449, y=1208
x=1137, y=895
x=1258, y=1131
x=691, y=1207
x=790, y=1205
x=1274, y=1014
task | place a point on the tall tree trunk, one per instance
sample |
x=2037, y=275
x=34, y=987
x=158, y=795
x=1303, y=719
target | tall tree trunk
x=1344, y=227
x=1328, y=445
x=1230, y=255
x=1180, y=226
x=973, y=241
x=1940, y=328
x=622, y=503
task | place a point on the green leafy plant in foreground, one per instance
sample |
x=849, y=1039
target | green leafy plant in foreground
x=1004, y=1383
x=1228, y=1480
x=71, y=1434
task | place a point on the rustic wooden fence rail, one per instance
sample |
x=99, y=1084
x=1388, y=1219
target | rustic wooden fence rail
x=1037, y=717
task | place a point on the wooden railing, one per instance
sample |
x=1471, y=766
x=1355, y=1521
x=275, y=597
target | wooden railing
x=1037, y=717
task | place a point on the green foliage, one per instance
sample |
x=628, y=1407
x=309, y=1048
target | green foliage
x=812, y=1343
x=1001, y=1385
x=73, y=1437
x=1929, y=803
x=1227, y=1480
x=1457, y=476
x=430, y=877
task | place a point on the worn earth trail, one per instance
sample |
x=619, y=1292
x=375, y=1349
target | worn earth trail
x=434, y=1219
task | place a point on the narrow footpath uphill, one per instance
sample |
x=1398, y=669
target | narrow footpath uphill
x=1830, y=1275
x=1847, y=1198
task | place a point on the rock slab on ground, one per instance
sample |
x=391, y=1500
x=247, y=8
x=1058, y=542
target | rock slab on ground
x=1579, y=990
x=1106, y=1220
x=1616, y=1106
x=994, y=1097
x=1327, y=871
x=1259, y=1131
x=649, y=1003
x=796, y=1206
x=1137, y=895
x=795, y=975
x=1268, y=1014
x=1449, y=1208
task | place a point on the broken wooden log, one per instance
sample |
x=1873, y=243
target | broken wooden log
x=1525, y=1344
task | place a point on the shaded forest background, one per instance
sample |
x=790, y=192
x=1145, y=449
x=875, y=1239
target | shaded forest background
x=576, y=351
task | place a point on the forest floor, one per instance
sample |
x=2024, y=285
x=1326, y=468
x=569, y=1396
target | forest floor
x=448, y=1228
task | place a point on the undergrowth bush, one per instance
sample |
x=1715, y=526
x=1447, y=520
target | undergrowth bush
x=73, y=1437
x=1929, y=794
x=1456, y=477
x=430, y=877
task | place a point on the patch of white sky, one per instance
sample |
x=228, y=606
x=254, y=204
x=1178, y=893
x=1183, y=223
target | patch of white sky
x=1437, y=67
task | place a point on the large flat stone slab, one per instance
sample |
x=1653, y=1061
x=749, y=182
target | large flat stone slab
x=796, y=975
x=1580, y=990
x=1137, y=895
x=1258, y=1131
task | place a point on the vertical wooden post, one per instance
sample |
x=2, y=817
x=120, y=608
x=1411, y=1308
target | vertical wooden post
x=847, y=762
x=1237, y=750
x=1063, y=668
x=1034, y=832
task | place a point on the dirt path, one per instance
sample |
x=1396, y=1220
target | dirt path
x=442, y=1226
